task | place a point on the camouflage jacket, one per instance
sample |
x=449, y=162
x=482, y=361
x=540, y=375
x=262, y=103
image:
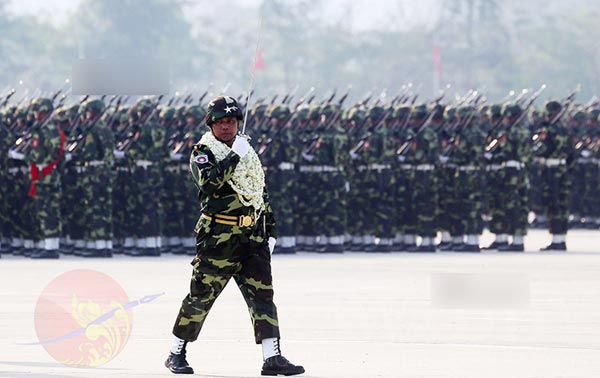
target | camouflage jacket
x=216, y=195
x=98, y=145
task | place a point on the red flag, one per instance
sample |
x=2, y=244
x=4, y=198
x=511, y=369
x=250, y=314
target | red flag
x=437, y=59
x=259, y=62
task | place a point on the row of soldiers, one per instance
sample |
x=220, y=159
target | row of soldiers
x=99, y=177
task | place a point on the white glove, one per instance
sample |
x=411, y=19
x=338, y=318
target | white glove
x=353, y=155
x=487, y=155
x=240, y=146
x=443, y=159
x=119, y=154
x=68, y=156
x=347, y=187
x=308, y=157
x=15, y=155
x=175, y=156
x=272, y=242
x=586, y=153
x=401, y=158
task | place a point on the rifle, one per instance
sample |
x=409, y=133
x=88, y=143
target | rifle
x=7, y=97
x=400, y=151
x=365, y=140
x=494, y=143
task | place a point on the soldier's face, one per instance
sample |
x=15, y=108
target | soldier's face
x=225, y=129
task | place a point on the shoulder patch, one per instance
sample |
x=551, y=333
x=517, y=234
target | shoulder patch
x=201, y=159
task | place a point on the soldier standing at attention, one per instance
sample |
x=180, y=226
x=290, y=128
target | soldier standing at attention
x=555, y=146
x=45, y=152
x=235, y=237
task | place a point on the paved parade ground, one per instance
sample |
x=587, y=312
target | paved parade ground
x=459, y=315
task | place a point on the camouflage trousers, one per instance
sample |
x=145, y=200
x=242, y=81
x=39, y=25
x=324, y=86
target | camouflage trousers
x=146, y=205
x=535, y=189
x=446, y=199
x=469, y=203
x=424, y=198
x=98, y=188
x=174, y=201
x=555, y=196
x=590, y=201
x=510, y=208
x=46, y=208
x=406, y=217
x=224, y=252
x=307, y=204
x=281, y=184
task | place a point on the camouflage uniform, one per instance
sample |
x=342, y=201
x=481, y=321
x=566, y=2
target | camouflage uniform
x=278, y=155
x=148, y=151
x=329, y=159
x=6, y=140
x=555, y=146
x=93, y=152
x=508, y=159
x=226, y=251
x=423, y=155
x=467, y=155
x=45, y=152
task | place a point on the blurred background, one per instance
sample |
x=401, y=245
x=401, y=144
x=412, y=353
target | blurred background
x=377, y=45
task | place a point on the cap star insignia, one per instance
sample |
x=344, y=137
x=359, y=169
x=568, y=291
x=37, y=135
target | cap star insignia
x=230, y=108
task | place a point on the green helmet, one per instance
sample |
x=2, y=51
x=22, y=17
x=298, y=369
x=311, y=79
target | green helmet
x=495, y=110
x=401, y=112
x=95, y=107
x=593, y=114
x=579, y=116
x=357, y=114
x=21, y=113
x=167, y=113
x=314, y=113
x=418, y=111
x=259, y=110
x=223, y=107
x=61, y=115
x=302, y=112
x=512, y=110
x=143, y=105
x=552, y=107
x=329, y=109
x=279, y=112
x=450, y=114
x=465, y=111
x=375, y=113
x=42, y=105
x=195, y=111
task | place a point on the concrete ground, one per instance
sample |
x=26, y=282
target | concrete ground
x=351, y=315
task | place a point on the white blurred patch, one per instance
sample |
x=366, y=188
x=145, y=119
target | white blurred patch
x=489, y=290
x=120, y=76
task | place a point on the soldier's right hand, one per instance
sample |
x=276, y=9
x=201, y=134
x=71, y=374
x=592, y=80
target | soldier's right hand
x=119, y=154
x=15, y=155
x=308, y=157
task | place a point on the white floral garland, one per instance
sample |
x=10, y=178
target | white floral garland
x=248, y=179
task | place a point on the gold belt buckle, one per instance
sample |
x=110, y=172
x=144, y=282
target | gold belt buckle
x=245, y=221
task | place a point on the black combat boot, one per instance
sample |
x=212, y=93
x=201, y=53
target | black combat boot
x=178, y=364
x=279, y=365
x=495, y=245
x=512, y=248
x=555, y=247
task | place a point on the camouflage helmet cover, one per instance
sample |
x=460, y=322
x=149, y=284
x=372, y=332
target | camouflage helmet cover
x=42, y=105
x=93, y=106
x=223, y=107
